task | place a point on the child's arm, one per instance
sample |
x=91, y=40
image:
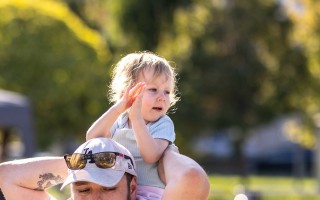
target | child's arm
x=151, y=149
x=101, y=127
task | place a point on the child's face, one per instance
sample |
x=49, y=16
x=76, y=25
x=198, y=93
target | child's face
x=156, y=96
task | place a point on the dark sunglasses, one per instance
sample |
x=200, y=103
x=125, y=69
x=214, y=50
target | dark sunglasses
x=103, y=160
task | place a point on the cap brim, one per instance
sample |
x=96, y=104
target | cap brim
x=103, y=177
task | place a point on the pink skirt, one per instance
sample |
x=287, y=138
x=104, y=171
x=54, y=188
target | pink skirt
x=149, y=193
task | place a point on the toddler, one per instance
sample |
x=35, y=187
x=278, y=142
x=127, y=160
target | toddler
x=143, y=89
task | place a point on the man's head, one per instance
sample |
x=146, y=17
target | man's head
x=101, y=169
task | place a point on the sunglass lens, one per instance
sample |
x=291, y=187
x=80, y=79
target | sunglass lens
x=76, y=161
x=105, y=160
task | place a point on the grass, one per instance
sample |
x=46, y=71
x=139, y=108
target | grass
x=266, y=187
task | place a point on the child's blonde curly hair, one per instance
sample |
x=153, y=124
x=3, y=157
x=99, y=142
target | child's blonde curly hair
x=127, y=70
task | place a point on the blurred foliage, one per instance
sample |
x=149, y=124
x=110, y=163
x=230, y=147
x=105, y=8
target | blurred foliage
x=243, y=69
x=55, y=60
x=306, y=36
x=240, y=63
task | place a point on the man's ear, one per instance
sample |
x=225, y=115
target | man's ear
x=133, y=187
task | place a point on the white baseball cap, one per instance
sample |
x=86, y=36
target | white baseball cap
x=108, y=177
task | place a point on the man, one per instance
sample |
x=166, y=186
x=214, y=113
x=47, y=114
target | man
x=94, y=174
x=99, y=169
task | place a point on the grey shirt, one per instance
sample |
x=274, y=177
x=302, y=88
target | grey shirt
x=163, y=128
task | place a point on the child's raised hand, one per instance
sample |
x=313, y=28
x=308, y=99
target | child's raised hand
x=135, y=91
x=129, y=97
x=136, y=99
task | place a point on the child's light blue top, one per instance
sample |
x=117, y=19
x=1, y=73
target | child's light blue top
x=163, y=128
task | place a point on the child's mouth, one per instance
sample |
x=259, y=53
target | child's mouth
x=157, y=108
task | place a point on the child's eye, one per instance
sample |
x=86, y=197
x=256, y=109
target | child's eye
x=167, y=92
x=153, y=89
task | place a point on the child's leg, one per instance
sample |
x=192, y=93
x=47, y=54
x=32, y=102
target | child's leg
x=184, y=178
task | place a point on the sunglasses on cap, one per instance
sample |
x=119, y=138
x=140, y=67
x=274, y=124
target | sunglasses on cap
x=102, y=160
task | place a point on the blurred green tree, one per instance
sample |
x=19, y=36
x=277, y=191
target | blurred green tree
x=238, y=66
x=240, y=63
x=52, y=57
x=305, y=36
x=237, y=62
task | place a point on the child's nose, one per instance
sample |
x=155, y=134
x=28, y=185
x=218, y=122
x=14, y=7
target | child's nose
x=161, y=97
